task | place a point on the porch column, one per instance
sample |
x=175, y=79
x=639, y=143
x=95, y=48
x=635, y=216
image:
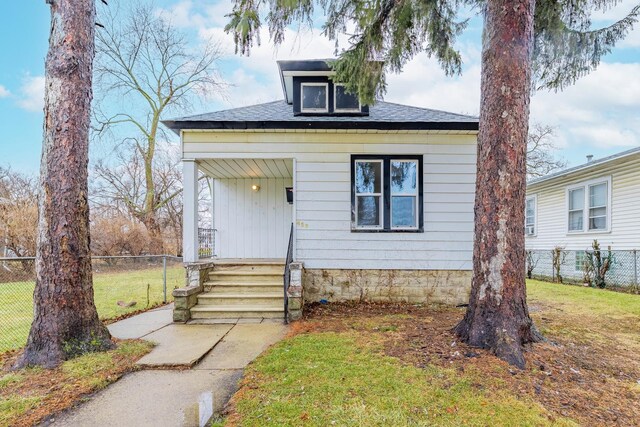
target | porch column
x=190, y=211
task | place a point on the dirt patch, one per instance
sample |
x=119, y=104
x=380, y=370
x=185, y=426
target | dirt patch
x=595, y=382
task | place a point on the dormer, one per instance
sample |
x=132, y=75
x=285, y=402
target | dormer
x=308, y=87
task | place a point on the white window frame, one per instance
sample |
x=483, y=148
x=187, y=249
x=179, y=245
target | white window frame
x=585, y=186
x=326, y=100
x=343, y=110
x=380, y=195
x=533, y=197
x=416, y=196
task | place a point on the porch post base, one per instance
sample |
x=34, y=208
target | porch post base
x=187, y=297
x=295, y=292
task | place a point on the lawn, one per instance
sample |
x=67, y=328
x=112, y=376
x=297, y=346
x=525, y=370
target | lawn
x=368, y=365
x=28, y=396
x=142, y=286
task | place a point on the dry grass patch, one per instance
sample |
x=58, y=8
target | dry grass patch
x=29, y=396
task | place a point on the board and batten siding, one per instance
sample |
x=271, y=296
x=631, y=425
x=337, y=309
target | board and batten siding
x=251, y=224
x=324, y=239
x=552, y=214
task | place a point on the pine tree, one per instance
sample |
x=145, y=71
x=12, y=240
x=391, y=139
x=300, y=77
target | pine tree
x=527, y=45
x=66, y=322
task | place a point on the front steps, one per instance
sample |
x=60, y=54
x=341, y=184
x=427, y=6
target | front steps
x=240, y=290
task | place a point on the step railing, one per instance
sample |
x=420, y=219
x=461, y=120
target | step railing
x=287, y=275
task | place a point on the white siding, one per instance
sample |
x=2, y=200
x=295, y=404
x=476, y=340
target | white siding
x=552, y=213
x=323, y=196
x=251, y=224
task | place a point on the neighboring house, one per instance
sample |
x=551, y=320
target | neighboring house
x=596, y=200
x=365, y=202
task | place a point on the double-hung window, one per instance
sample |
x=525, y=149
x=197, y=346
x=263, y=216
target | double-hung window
x=598, y=206
x=576, y=209
x=368, y=193
x=386, y=193
x=530, y=216
x=589, y=206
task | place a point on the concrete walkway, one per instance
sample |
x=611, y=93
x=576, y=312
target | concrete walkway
x=217, y=355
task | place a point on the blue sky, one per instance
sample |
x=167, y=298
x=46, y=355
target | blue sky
x=600, y=115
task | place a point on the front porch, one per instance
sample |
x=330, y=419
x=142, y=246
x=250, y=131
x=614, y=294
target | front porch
x=240, y=267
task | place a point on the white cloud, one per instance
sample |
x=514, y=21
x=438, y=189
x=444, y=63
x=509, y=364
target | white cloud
x=600, y=110
x=4, y=92
x=32, y=93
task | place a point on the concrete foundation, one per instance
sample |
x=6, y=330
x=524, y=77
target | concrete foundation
x=450, y=287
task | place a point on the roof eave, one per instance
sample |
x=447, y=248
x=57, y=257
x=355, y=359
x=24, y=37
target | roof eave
x=584, y=167
x=177, y=126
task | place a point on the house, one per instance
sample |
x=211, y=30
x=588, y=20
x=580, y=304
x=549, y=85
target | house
x=347, y=201
x=570, y=209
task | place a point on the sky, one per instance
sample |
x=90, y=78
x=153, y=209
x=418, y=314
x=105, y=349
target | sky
x=599, y=115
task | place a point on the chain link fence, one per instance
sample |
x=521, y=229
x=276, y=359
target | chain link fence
x=121, y=284
x=570, y=266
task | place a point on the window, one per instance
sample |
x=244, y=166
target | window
x=343, y=101
x=581, y=260
x=598, y=206
x=315, y=97
x=386, y=193
x=530, y=216
x=576, y=209
x=368, y=189
x=404, y=194
x=588, y=206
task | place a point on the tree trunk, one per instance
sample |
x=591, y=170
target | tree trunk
x=65, y=318
x=156, y=241
x=497, y=317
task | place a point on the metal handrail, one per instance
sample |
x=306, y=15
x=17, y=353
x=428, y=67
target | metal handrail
x=287, y=275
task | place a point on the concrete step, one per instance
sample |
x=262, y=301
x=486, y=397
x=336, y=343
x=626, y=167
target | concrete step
x=244, y=288
x=273, y=299
x=233, y=312
x=267, y=268
x=245, y=277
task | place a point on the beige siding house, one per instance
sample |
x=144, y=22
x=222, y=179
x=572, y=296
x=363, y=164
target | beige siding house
x=327, y=198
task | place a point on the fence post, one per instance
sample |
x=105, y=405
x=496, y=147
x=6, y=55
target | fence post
x=164, y=278
x=635, y=268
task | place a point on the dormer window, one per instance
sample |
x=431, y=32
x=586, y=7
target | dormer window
x=315, y=97
x=343, y=101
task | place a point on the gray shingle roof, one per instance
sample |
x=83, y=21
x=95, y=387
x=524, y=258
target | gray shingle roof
x=278, y=114
x=588, y=165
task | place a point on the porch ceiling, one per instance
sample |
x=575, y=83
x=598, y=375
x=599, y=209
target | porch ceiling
x=247, y=168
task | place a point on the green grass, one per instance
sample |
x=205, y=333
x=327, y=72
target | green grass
x=16, y=305
x=46, y=390
x=584, y=314
x=324, y=379
x=584, y=300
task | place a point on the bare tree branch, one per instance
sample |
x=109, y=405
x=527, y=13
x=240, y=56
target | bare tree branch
x=540, y=152
x=148, y=67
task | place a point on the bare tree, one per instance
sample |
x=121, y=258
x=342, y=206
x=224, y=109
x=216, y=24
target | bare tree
x=18, y=213
x=65, y=320
x=147, y=63
x=540, y=152
x=120, y=189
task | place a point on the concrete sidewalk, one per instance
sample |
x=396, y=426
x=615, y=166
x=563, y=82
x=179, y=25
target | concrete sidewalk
x=165, y=397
